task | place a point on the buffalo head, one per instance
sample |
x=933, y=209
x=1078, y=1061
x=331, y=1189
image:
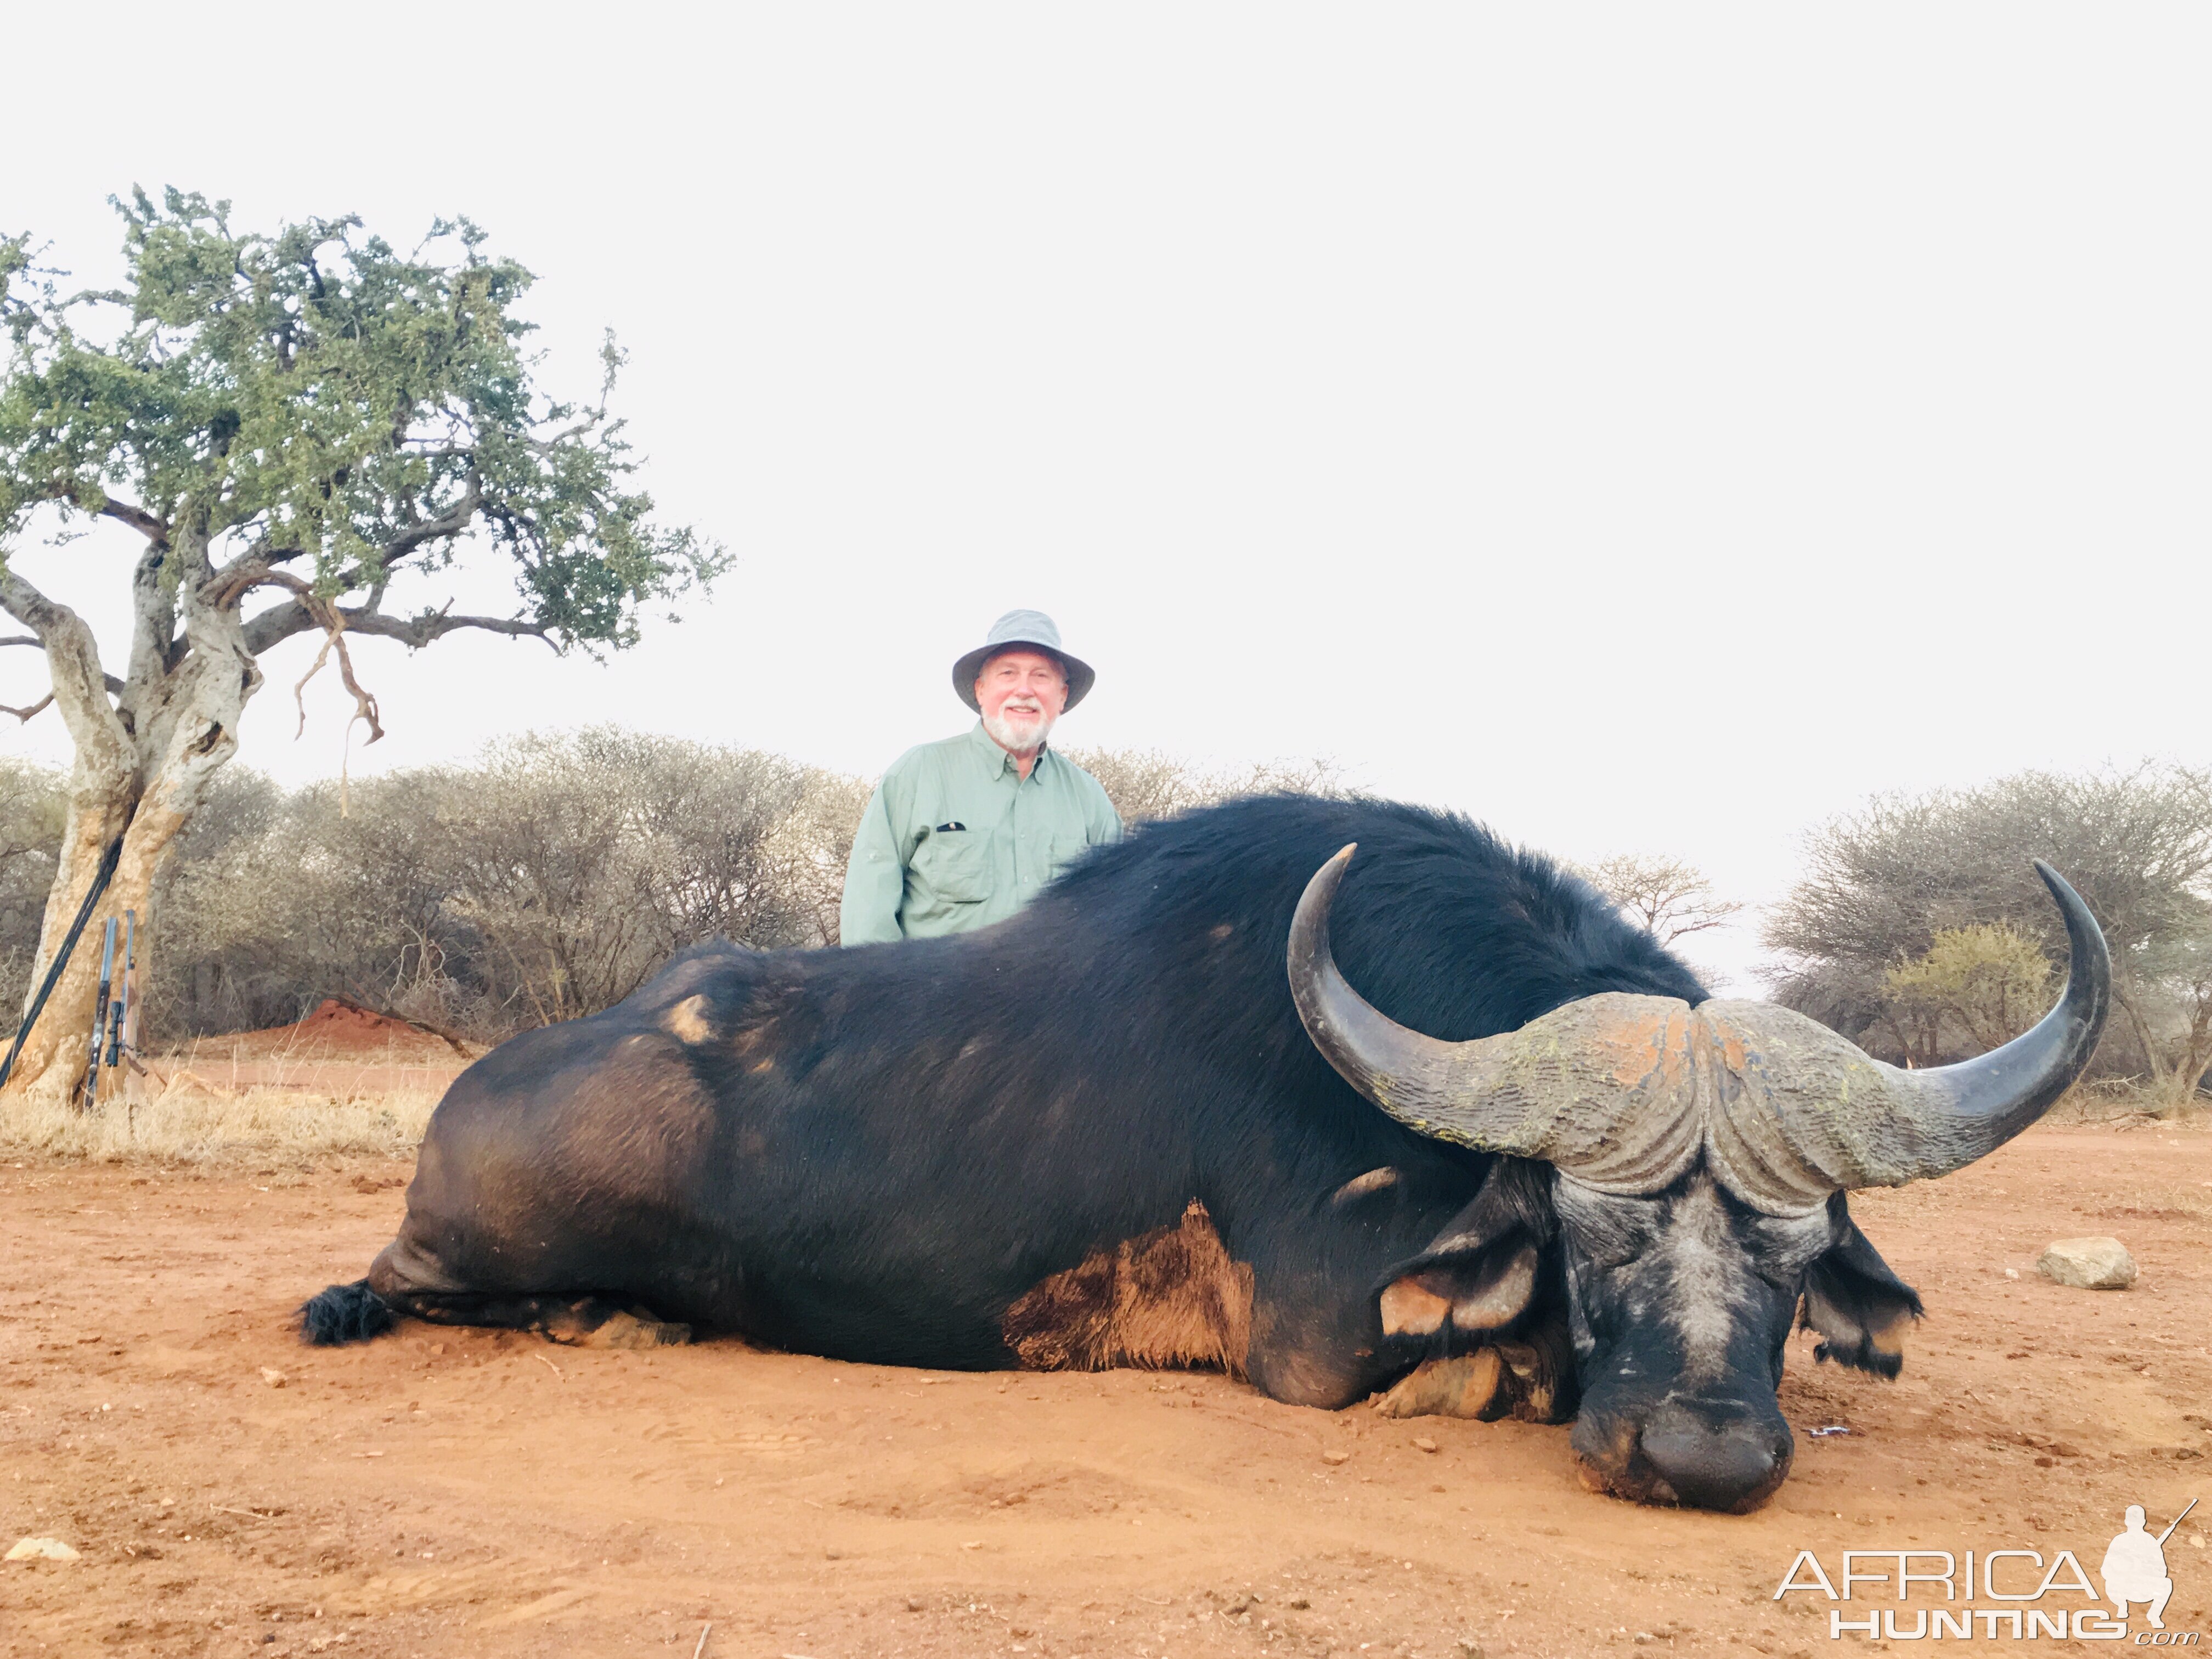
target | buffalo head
x=1676, y=1176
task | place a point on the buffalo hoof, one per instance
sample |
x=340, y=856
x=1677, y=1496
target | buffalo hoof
x=588, y=1326
x=627, y=1330
x=1466, y=1385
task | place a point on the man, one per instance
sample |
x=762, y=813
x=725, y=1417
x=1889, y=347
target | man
x=2134, y=1569
x=963, y=833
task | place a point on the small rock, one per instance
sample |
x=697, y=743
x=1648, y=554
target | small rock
x=2087, y=1264
x=1469, y=1648
x=41, y=1549
x=1299, y=1602
x=2012, y=1272
x=1425, y=1444
x=1336, y=1458
x=272, y=1377
x=914, y=1604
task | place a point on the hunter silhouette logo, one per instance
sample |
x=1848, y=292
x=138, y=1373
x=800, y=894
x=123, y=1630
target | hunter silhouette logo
x=2030, y=1594
x=2135, y=1567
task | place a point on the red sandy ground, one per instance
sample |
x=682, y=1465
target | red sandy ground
x=472, y=1493
x=338, y=1049
x=340, y=1028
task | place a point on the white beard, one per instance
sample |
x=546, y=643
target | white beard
x=1029, y=734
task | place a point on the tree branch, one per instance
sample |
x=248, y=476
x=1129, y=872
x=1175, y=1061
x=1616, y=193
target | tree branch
x=38, y=707
x=453, y=520
x=416, y=632
x=364, y=703
x=21, y=605
x=155, y=647
x=280, y=623
x=28, y=606
x=256, y=567
x=81, y=687
x=137, y=517
x=276, y=625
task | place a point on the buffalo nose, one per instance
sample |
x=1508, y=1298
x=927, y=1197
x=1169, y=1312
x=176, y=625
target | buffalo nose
x=1729, y=1466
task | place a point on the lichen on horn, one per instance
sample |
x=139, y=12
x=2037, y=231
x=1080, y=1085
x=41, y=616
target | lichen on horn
x=1624, y=1091
x=1604, y=1086
x=1815, y=1108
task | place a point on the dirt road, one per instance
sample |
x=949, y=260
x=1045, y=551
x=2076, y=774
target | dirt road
x=465, y=1493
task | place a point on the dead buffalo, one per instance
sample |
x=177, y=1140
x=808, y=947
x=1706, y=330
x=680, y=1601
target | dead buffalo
x=1526, y=1166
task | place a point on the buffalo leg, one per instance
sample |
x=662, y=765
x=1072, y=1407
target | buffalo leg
x=408, y=1277
x=588, y=1321
x=596, y=1322
x=1465, y=1385
x=1540, y=1368
x=1530, y=1376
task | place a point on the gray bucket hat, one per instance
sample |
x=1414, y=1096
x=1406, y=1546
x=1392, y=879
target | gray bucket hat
x=1017, y=628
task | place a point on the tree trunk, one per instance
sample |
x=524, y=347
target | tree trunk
x=144, y=762
x=2167, y=1083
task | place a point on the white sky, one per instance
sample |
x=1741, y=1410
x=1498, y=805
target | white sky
x=1644, y=427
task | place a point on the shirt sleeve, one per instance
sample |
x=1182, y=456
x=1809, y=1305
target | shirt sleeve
x=1105, y=825
x=875, y=876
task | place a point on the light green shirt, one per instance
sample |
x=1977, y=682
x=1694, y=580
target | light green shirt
x=956, y=838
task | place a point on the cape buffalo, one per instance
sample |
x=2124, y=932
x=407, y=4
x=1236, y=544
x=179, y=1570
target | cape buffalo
x=1112, y=1130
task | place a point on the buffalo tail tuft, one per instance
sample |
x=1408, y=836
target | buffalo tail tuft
x=1860, y=1355
x=345, y=1313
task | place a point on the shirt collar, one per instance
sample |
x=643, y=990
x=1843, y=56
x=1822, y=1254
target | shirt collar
x=996, y=761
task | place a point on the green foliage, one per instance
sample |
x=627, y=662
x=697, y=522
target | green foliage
x=316, y=395
x=1884, y=882
x=1990, y=978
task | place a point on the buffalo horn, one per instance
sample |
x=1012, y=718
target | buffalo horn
x=1623, y=1092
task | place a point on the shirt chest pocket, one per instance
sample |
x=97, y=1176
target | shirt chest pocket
x=956, y=865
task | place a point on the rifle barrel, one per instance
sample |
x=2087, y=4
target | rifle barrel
x=91, y=1085
x=118, y=1031
x=2176, y=1520
x=100, y=880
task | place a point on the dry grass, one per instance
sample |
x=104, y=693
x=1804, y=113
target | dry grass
x=186, y=1126
x=2124, y=1103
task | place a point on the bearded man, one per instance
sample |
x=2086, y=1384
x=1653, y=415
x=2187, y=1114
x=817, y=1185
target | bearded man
x=962, y=833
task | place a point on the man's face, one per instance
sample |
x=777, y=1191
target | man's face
x=1021, y=694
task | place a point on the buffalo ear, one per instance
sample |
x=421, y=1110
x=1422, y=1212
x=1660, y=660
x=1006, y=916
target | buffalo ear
x=1483, y=1291
x=1480, y=1272
x=1857, y=1304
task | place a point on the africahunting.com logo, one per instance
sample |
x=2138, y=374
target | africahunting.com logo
x=2031, y=1597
